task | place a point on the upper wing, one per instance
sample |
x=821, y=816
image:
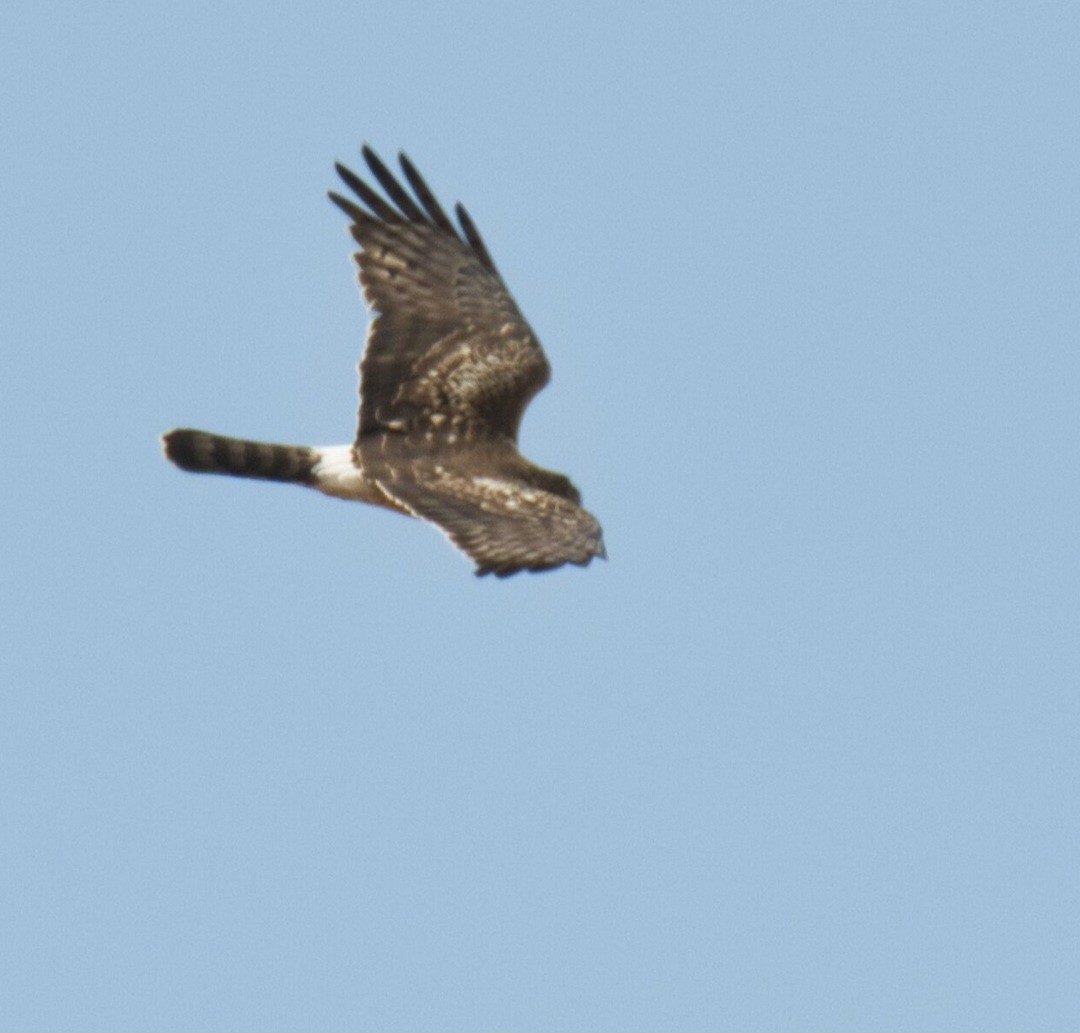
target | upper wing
x=504, y=513
x=447, y=349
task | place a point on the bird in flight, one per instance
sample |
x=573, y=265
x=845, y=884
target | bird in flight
x=449, y=366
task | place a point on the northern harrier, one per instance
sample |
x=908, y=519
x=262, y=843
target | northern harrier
x=449, y=366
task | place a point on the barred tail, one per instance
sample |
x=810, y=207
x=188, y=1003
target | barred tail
x=200, y=452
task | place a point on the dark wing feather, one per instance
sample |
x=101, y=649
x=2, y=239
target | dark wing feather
x=427, y=198
x=472, y=235
x=394, y=190
x=370, y=197
x=498, y=509
x=448, y=350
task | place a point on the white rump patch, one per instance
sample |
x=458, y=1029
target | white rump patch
x=337, y=474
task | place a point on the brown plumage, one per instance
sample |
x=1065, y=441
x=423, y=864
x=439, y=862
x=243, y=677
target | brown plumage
x=449, y=367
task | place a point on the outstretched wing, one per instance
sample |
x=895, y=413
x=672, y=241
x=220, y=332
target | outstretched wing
x=448, y=352
x=448, y=370
x=503, y=512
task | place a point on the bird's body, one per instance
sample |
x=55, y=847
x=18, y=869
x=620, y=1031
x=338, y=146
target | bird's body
x=449, y=367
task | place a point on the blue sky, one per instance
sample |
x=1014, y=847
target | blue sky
x=802, y=754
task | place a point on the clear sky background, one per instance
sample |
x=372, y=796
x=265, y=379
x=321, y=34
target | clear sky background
x=802, y=754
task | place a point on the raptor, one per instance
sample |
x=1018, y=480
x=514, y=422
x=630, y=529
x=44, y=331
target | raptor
x=449, y=366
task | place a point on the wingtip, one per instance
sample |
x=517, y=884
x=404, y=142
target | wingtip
x=371, y=156
x=406, y=165
x=509, y=570
x=355, y=213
